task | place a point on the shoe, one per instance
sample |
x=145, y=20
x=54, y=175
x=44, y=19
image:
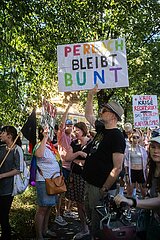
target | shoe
x=49, y=233
x=59, y=220
x=70, y=214
x=80, y=235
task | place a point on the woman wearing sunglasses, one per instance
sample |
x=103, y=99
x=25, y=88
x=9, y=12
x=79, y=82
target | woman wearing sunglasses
x=135, y=163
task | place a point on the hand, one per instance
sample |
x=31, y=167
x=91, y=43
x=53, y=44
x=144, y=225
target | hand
x=94, y=90
x=82, y=154
x=45, y=132
x=119, y=198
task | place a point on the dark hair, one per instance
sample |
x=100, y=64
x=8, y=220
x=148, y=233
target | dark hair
x=10, y=130
x=56, y=127
x=82, y=126
x=152, y=168
x=40, y=133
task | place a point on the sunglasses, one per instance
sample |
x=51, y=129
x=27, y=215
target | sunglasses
x=103, y=110
x=136, y=137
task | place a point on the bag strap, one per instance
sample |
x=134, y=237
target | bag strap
x=56, y=173
x=41, y=173
x=7, y=153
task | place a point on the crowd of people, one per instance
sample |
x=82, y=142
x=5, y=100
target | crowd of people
x=124, y=162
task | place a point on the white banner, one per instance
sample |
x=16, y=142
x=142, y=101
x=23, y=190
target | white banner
x=145, y=111
x=48, y=117
x=82, y=65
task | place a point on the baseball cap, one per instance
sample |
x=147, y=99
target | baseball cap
x=69, y=122
x=116, y=108
x=155, y=139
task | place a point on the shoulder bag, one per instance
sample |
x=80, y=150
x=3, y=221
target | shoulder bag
x=54, y=185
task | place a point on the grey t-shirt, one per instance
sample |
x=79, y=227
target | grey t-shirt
x=12, y=162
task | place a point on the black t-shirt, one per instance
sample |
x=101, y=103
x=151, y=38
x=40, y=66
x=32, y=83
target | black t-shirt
x=78, y=147
x=99, y=162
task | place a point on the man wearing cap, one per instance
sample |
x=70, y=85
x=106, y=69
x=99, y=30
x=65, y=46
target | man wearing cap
x=104, y=163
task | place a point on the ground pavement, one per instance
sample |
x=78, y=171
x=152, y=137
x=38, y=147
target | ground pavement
x=63, y=232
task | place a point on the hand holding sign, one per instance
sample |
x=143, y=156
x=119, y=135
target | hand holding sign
x=94, y=90
x=46, y=132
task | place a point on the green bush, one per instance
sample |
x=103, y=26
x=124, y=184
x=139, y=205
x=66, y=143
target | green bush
x=22, y=214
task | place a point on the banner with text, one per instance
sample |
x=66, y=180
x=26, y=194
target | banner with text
x=48, y=116
x=82, y=65
x=145, y=111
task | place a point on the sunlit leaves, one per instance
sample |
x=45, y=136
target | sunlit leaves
x=31, y=31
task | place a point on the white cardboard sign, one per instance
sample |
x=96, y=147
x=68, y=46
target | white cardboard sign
x=83, y=65
x=145, y=111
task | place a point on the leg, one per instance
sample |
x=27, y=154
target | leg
x=143, y=190
x=134, y=190
x=58, y=206
x=46, y=219
x=92, y=199
x=39, y=221
x=129, y=189
x=121, y=187
x=5, y=206
x=59, y=219
x=82, y=216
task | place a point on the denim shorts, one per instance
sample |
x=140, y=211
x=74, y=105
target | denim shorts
x=43, y=199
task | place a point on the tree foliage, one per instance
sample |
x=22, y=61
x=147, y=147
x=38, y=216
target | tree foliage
x=31, y=31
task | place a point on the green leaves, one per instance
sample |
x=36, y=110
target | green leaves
x=31, y=31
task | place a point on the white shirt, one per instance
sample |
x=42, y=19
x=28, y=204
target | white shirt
x=48, y=165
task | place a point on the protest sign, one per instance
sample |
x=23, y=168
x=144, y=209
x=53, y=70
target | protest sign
x=48, y=116
x=82, y=65
x=145, y=111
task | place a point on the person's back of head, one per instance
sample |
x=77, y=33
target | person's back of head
x=127, y=129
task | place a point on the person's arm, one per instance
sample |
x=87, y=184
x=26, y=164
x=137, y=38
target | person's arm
x=70, y=155
x=89, y=114
x=117, y=167
x=9, y=174
x=62, y=124
x=40, y=150
x=64, y=117
x=149, y=203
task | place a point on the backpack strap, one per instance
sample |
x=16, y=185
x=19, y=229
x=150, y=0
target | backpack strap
x=9, y=149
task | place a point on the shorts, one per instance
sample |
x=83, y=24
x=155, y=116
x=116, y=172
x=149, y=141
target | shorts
x=137, y=176
x=43, y=199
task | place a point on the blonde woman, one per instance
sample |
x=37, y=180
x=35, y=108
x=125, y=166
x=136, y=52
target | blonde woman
x=135, y=163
